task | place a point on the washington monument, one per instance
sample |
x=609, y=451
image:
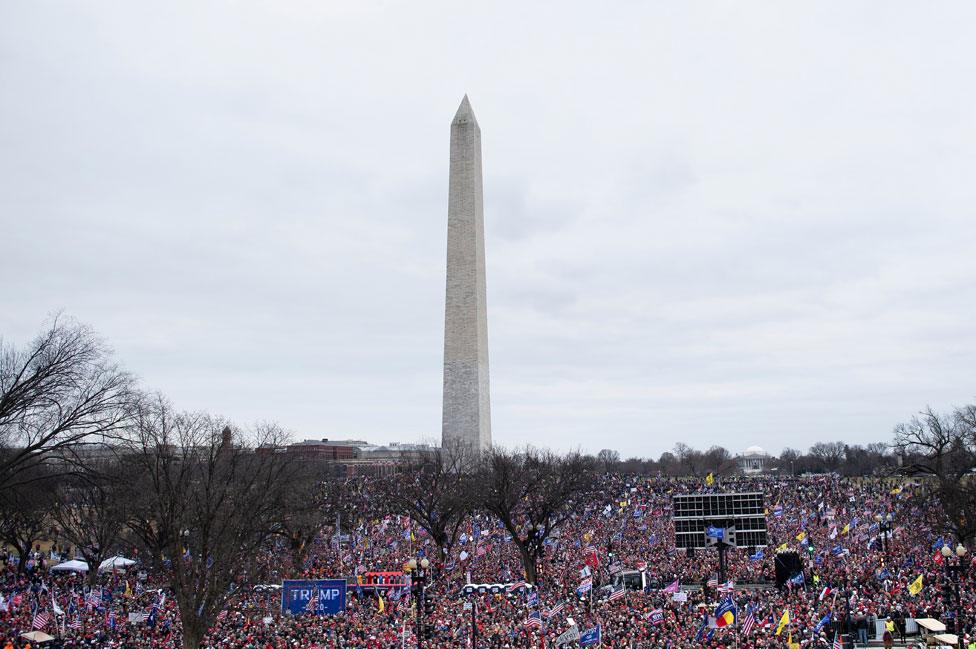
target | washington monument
x=467, y=411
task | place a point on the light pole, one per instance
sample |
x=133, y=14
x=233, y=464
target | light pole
x=418, y=588
x=884, y=527
x=953, y=570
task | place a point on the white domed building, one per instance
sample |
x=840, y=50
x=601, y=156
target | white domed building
x=752, y=460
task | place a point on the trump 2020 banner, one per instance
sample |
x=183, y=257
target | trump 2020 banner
x=315, y=596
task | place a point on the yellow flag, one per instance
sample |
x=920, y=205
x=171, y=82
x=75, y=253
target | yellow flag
x=816, y=579
x=896, y=491
x=709, y=479
x=412, y=537
x=783, y=621
x=128, y=590
x=847, y=529
x=801, y=536
x=381, y=606
x=916, y=586
x=783, y=548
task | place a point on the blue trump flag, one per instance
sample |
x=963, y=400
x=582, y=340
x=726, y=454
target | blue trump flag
x=590, y=637
x=315, y=596
x=758, y=556
x=822, y=623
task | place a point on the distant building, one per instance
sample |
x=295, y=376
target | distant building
x=350, y=457
x=752, y=460
x=326, y=449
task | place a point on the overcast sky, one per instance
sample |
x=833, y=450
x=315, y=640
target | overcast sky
x=716, y=223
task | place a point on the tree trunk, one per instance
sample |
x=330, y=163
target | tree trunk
x=194, y=628
x=23, y=554
x=298, y=553
x=92, y=574
x=528, y=562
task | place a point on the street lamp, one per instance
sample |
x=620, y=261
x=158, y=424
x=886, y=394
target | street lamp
x=953, y=570
x=418, y=588
x=885, y=527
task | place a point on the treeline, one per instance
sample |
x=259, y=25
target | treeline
x=823, y=457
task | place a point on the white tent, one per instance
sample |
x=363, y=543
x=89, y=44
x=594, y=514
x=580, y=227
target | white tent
x=117, y=562
x=71, y=566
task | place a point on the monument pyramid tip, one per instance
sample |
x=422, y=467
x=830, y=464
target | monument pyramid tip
x=464, y=112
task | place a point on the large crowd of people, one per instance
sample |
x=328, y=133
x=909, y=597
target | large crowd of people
x=856, y=571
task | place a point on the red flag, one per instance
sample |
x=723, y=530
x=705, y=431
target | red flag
x=591, y=559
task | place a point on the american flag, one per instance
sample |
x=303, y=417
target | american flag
x=511, y=588
x=727, y=587
x=41, y=618
x=617, y=594
x=534, y=619
x=75, y=623
x=838, y=644
x=555, y=609
x=749, y=621
x=713, y=581
x=313, y=602
x=222, y=615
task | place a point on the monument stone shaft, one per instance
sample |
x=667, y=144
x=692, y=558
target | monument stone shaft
x=467, y=412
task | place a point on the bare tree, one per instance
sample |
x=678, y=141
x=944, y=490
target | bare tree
x=830, y=455
x=318, y=501
x=435, y=493
x=608, y=459
x=690, y=460
x=213, y=503
x=532, y=493
x=58, y=394
x=943, y=447
x=718, y=459
x=25, y=515
x=91, y=511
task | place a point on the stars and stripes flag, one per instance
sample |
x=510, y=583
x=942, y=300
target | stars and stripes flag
x=727, y=587
x=41, y=618
x=749, y=621
x=534, y=619
x=713, y=581
x=511, y=588
x=617, y=594
x=838, y=643
x=555, y=609
x=75, y=623
x=313, y=602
